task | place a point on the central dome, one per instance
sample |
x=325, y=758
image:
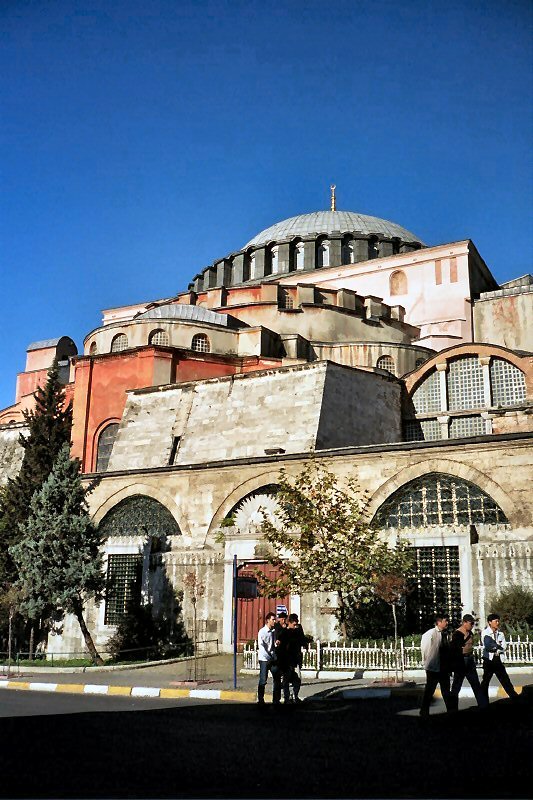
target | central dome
x=331, y=222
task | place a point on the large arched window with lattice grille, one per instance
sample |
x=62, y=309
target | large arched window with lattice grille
x=119, y=343
x=438, y=499
x=508, y=383
x=200, y=343
x=106, y=440
x=386, y=363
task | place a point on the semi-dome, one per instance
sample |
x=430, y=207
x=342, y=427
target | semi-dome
x=328, y=222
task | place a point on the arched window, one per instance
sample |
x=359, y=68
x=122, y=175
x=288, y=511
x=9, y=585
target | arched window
x=398, y=283
x=119, y=343
x=386, y=363
x=153, y=524
x=252, y=266
x=93, y=349
x=200, y=343
x=159, y=337
x=322, y=254
x=426, y=397
x=106, y=440
x=250, y=511
x=274, y=260
x=508, y=384
x=419, y=362
x=299, y=251
x=347, y=250
x=438, y=499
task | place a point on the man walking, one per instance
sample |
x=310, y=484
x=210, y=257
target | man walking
x=494, y=646
x=463, y=663
x=435, y=655
x=267, y=661
x=289, y=650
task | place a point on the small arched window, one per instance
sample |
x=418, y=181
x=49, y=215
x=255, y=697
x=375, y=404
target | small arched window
x=274, y=260
x=119, y=343
x=200, y=343
x=323, y=254
x=386, y=363
x=106, y=441
x=93, y=349
x=419, y=362
x=348, y=251
x=299, y=255
x=398, y=283
x=159, y=337
x=252, y=266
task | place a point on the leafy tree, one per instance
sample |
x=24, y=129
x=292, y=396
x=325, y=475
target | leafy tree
x=49, y=427
x=322, y=541
x=58, y=557
x=514, y=603
x=392, y=584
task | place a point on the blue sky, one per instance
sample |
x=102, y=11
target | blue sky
x=142, y=140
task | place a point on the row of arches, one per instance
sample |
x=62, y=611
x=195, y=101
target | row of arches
x=199, y=343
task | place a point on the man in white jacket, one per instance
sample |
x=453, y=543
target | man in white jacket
x=436, y=663
x=494, y=647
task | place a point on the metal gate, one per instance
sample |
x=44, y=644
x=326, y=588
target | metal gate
x=251, y=613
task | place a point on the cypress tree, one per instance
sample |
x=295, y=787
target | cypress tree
x=58, y=557
x=49, y=428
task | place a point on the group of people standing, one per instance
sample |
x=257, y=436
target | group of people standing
x=443, y=655
x=280, y=645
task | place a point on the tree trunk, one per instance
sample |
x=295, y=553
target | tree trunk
x=78, y=611
x=32, y=641
x=342, y=615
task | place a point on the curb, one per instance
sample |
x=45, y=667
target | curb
x=131, y=691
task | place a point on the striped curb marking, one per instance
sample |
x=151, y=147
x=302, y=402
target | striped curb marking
x=131, y=691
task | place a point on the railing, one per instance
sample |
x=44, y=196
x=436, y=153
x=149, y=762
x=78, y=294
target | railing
x=358, y=656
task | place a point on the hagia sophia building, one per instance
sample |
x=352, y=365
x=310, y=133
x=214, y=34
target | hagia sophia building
x=401, y=363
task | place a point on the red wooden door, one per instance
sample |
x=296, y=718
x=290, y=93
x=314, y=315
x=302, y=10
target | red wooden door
x=251, y=613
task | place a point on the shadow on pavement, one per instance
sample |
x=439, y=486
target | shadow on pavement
x=327, y=748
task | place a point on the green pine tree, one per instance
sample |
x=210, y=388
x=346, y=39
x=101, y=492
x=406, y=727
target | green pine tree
x=49, y=427
x=58, y=557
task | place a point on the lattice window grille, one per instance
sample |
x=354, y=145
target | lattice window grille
x=119, y=343
x=420, y=430
x=386, y=363
x=106, y=440
x=159, y=338
x=507, y=382
x=465, y=384
x=437, y=585
x=427, y=397
x=466, y=426
x=285, y=299
x=200, y=343
x=438, y=500
x=124, y=572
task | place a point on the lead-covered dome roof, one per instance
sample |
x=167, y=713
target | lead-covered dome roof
x=329, y=222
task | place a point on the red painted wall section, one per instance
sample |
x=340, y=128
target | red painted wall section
x=28, y=382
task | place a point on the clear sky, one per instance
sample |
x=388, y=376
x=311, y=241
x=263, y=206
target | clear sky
x=142, y=140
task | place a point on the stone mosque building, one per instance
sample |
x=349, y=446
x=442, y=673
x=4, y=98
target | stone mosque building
x=404, y=364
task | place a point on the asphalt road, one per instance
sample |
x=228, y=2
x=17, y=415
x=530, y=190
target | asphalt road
x=118, y=747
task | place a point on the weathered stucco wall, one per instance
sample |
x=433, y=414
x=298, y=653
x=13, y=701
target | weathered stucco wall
x=505, y=320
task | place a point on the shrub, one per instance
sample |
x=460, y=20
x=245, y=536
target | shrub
x=514, y=604
x=142, y=635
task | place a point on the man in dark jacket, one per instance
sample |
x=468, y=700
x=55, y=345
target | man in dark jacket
x=289, y=655
x=463, y=663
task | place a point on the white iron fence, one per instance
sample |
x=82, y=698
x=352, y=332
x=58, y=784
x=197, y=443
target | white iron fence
x=358, y=656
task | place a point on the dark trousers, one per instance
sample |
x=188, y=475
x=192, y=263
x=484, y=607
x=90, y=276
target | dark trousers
x=432, y=680
x=264, y=668
x=496, y=667
x=291, y=677
x=468, y=671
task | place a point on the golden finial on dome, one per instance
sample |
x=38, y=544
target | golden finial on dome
x=333, y=198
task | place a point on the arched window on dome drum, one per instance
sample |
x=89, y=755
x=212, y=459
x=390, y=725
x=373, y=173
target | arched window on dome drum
x=398, y=283
x=348, y=250
x=106, y=440
x=438, y=499
x=93, y=349
x=386, y=363
x=159, y=337
x=252, y=266
x=274, y=260
x=508, y=383
x=322, y=253
x=299, y=255
x=119, y=343
x=200, y=343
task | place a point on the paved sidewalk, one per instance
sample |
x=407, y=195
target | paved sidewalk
x=173, y=681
